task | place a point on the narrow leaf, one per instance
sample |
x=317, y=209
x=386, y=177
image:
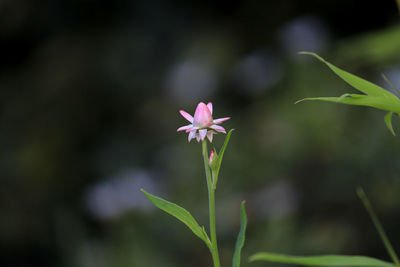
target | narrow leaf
x=324, y=260
x=361, y=194
x=221, y=155
x=241, y=237
x=179, y=213
x=388, y=121
x=378, y=102
x=390, y=84
x=355, y=81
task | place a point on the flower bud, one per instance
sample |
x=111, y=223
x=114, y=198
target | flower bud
x=202, y=116
x=213, y=159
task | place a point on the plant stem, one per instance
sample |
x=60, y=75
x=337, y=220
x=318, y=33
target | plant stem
x=211, y=200
x=378, y=226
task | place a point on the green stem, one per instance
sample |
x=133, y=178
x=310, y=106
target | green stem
x=378, y=226
x=211, y=200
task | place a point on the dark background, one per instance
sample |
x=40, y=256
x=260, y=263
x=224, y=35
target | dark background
x=89, y=99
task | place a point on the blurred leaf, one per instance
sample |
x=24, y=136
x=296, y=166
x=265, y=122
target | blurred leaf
x=388, y=121
x=398, y=5
x=324, y=260
x=241, y=236
x=390, y=83
x=374, y=47
x=361, y=194
x=181, y=214
x=355, y=81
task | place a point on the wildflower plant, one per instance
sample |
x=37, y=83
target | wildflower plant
x=202, y=127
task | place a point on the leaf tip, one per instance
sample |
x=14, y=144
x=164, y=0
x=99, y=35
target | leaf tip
x=302, y=100
x=304, y=53
x=307, y=53
x=388, y=121
x=144, y=192
x=243, y=211
x=253, y=257
x=311, y=54
x=360, y=192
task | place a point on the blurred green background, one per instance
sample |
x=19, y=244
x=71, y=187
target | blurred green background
x=90, y=93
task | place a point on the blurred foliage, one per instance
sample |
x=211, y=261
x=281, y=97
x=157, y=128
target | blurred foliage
x=90, y=92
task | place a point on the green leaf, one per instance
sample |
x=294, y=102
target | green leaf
x=378, y=102
x=220, y=156
x=324, y=260
x=361, y=194
x=375, y=97
x=358, y=83
x=390, y=83
x=181, y=214
x=241, y=237
x=388, y=121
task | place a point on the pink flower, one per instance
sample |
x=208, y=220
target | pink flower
x=202, y=123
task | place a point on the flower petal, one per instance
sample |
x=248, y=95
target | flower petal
x=202, y=133
x=202, y=116
x=218, y=128
x=210, y=107
x=210, y=135
x=192, y=128
x=186, y=115
x=192, y=135
x=221, y=120
x=198, y=137
x=187, y=127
